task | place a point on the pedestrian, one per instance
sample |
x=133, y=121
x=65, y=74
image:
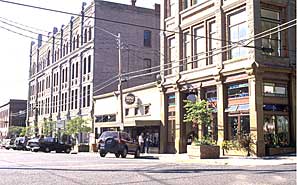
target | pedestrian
x=141, y=142
x=147, y=144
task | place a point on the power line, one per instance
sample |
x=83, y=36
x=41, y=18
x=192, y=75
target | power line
x=108, y=20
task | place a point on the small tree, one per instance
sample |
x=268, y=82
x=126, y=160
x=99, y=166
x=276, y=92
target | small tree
x=14, y=131
x=27, y=131
x=198, y=113
x=48, y=127
x=76, y=126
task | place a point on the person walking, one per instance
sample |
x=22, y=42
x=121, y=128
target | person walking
x=141, y=142
x=147, y=144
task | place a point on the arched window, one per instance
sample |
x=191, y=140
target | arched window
x=77, y=40
x=85, y=66
x=73, y=44
x=86, y=36
x=90, y=33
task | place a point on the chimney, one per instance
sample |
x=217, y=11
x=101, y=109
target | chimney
x=133, y=2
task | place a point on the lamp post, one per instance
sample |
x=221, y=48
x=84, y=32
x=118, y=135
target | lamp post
x=120, y=84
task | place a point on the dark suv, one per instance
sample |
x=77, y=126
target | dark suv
x=47, y=144
x=119, y=143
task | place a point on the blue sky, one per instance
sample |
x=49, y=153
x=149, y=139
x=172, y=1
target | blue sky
x=14, y=49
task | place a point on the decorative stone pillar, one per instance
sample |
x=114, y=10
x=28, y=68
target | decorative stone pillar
x=178, y=121
x=163, y=116
x=256, y=111
x=221, y=116
x=292, y=103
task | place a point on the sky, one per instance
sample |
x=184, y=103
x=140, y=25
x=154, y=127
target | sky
x=15, y=49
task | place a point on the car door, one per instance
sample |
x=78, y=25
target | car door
x=130, y=143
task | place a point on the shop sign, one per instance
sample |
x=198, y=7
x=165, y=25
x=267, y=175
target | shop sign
x=130, y=99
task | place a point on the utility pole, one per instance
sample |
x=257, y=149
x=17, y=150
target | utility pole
x=120, y=84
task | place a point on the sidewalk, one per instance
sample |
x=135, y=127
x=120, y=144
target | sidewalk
x=225, y=160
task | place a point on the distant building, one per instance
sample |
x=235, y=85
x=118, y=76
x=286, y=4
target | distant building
x=80, y=60
x=219, y=53
x=12, y=114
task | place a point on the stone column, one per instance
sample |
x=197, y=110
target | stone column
x=256, y=112
x=221, y=116
x=163, y=116
x=200, y=96
x=178, y=121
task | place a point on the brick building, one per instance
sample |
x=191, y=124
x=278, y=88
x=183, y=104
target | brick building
x=76, y=62
x=217, y=53
x=12, y=114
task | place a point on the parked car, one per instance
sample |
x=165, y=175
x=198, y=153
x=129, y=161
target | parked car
x=8, y=143
x=20, y=143
x=119, y=143
x=48, y=144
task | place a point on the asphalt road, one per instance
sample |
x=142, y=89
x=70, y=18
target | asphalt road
x=20, y=167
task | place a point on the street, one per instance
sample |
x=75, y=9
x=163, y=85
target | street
x=23, y=167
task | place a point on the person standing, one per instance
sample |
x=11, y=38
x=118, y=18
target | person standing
x=147, y=144
x=141, y=142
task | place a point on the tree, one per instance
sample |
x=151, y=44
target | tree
x=27, y=131
x=14, y=131
x=48, y=127
x=76, y=126
x=197, y=113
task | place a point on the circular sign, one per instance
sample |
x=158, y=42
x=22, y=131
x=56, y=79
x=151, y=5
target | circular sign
x=130, y=99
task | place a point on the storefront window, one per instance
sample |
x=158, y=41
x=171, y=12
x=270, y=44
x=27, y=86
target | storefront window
x=238, y=90
x=105, y=118
x=238, y=125
x=274, y=89
x=276, y=130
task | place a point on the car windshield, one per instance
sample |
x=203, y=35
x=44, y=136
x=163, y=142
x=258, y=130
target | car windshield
x=109, y=134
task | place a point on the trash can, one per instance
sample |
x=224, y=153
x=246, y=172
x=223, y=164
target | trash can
x=94, y=148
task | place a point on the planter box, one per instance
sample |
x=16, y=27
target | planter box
x=280, y=150
x=204, y=151
x=233, y=152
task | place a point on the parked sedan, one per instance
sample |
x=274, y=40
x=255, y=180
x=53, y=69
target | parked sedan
x=119, y=143
x=48, y=144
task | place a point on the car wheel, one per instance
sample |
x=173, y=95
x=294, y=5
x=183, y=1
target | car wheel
x=102, y=154
x=124, y=153
x=47, y=150
x=68, y=150
x=117, y=155
x=137, y=153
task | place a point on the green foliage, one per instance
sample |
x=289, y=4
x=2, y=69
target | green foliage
x=76, y=126
x=48, y=127
x=27, y=131
x=15, y=131
x=244, y=141
x=206, y=140
x=197, y=112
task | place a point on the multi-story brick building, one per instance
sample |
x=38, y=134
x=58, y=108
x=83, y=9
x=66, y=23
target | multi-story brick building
x=216, y=50
x=12, y=114
x=75, y=63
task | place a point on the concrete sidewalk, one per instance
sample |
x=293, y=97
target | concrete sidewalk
x=225, y=160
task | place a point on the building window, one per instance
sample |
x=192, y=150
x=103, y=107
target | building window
x=105, y=118
x=67, y=47
x=72, y=99
x=89, y=63
x=127, y=112
x=199, y=47
x=238, y=125
x=136, y=111
x=85, y=66
x=147, y=41
x=170, y=8
x=276, y=130
x=73, y=44
x=64, y=50
x=171, y=99
x=271, y=19
x=84, y=97
x=211, y=42
x=48, y=58
x=90, y=33
x=88, y=95
x=186, y=51
x=72, y=70
x=238, y=90
x=76, y=99
x=147, y=110
x=275, y=89
x=76, y=70
x=77, y=41
x=86, y=35
x=171, y=56
x=238, y=31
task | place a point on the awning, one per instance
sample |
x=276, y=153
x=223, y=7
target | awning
x=235, y=108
